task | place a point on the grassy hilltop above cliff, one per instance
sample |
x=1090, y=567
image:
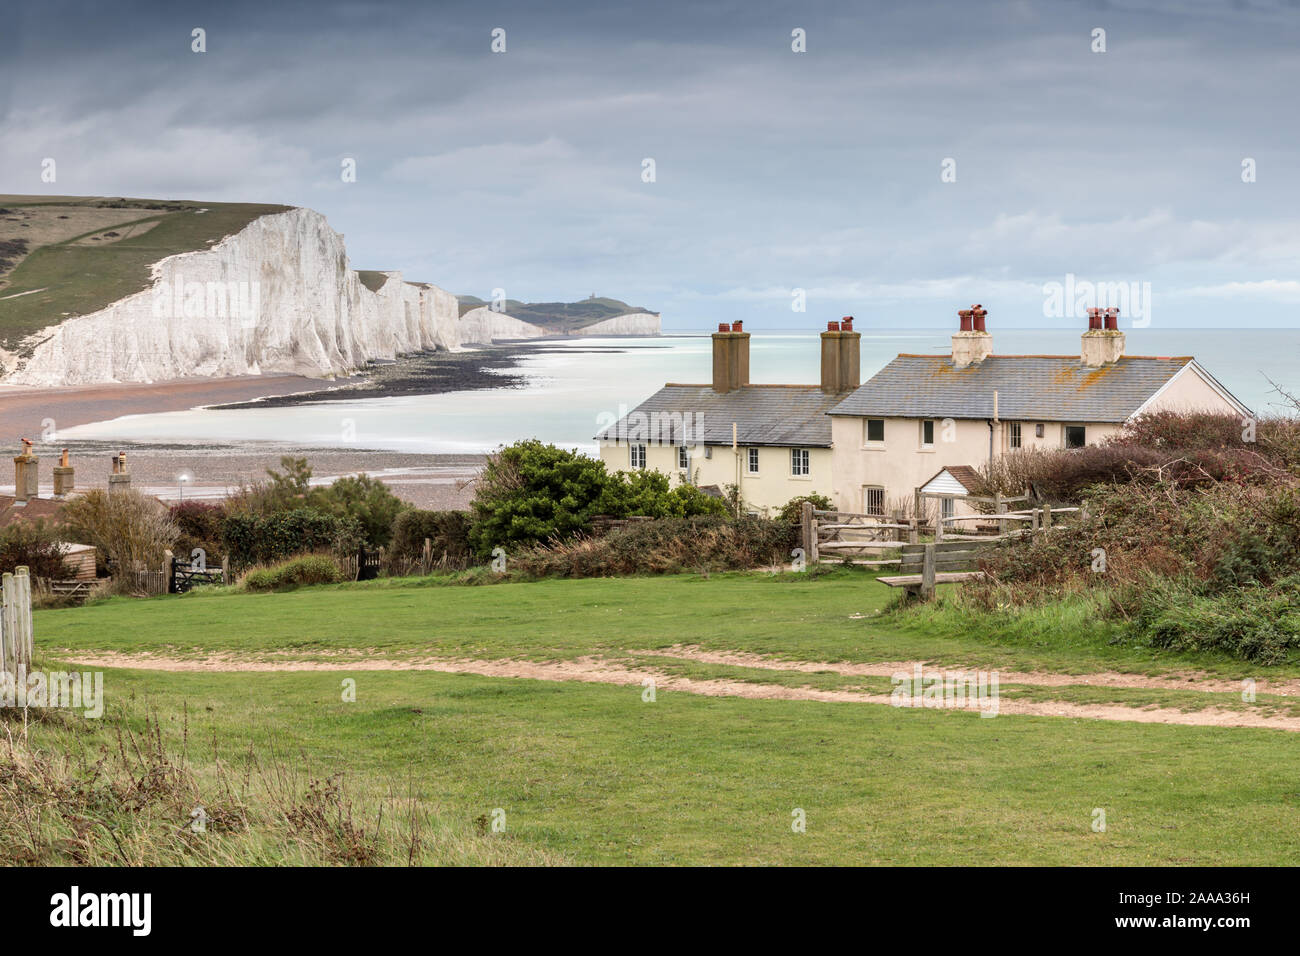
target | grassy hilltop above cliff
x=62, y=256
x=559, y=316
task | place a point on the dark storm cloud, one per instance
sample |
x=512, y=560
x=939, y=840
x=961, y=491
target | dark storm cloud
x=775, y=170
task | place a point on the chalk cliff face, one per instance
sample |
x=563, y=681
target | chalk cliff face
x=481, y=326
x=630, y=323
x=277, y=297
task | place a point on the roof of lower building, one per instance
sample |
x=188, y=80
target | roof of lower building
x=792, y=416
x=35, y=509
x=1042, y=387
x=952, y=478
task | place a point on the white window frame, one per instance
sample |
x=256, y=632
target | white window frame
x=1065, y=436
x=635, y=452
x=947, y=507
x=683, y=458
x=751, y=461
x=1015, y=438
x=927, y=445
x=869, y=492
x=867, y=441
x=800, y=456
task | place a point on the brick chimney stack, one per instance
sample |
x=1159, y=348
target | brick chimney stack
x=63, y=477
x=1103, y=343
x=971, y=343
x=26, y=484
x=730, y=357
x=120, y=479
x=841, y=356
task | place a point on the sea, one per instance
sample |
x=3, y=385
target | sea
x=574, y=387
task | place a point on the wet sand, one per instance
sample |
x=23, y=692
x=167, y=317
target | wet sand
x=211, y=471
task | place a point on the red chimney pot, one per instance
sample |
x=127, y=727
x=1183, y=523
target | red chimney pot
x=978, y=312
x=736, y=326
x=1112, y=318
x=965, y=316
x=846, y=323
x=832, y=326
x=723, y=327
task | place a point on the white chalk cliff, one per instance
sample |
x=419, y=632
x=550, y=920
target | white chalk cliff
x=481, y=326
x=629, y=323
x=304, y=312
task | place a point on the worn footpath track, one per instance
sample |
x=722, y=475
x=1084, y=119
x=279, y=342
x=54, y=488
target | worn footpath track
x=598, y=670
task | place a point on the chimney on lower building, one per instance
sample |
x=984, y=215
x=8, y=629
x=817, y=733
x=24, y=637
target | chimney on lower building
x=25, y=474
x=1103, y=343
x=63, y=477
x=730, y=357
x=841, y=356
x=120, y=478
x=971, y=343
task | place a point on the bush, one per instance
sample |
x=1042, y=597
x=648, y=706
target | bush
x=448, y=532
x=666, y=546
x=130, y=529
x=530, y=493
x=34, y=546
x=296, y=572
x=200, y=527
x=264, y=538
x=792, y=511
x=366, y=499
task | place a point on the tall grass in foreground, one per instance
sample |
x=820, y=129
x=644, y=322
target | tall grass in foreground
x=99, y=793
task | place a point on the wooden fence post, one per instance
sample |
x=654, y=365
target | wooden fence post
x=913, y=533
x=1033, y=522
x=1000, y=507
x=806, y=529
x=16, y=644
x=927, y=573
x=1047, y=517
x=938, y=524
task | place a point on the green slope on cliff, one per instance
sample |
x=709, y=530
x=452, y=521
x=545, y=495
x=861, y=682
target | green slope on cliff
x=62, y=256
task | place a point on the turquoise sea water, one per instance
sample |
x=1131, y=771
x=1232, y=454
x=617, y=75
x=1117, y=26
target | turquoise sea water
x=575, y=387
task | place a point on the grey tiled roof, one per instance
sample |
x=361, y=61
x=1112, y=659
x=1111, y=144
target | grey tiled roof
x=1042, y=387
x=785, y=415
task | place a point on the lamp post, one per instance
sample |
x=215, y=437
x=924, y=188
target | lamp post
x=183, y=477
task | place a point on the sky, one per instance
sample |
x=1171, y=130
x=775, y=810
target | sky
x=913, y=159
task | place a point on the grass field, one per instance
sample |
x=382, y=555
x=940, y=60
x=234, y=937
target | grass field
x=593, y=773
x=77, y=276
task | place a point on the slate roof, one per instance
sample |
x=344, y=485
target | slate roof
x=1042, y=387
x=792, y=416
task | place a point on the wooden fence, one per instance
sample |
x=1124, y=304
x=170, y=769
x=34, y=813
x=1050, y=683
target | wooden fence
x=863, y=539
x=16, y=622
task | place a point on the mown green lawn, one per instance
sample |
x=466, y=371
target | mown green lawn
x=591, y=773
x=831, y=617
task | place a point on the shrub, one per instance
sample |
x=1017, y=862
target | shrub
x=666, y=546
x=792, y=511
x=296, y=572
x=262, y=538
x=34, y=546
x=363, y=498
x=132, y=530
x=200, y=527
x=529, y=492
x=366, y=499
x=447, y=531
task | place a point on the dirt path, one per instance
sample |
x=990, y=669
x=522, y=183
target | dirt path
x=1190, y=680
x=597, y=671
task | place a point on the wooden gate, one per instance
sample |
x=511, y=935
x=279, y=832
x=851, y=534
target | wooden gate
x=185, y=576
